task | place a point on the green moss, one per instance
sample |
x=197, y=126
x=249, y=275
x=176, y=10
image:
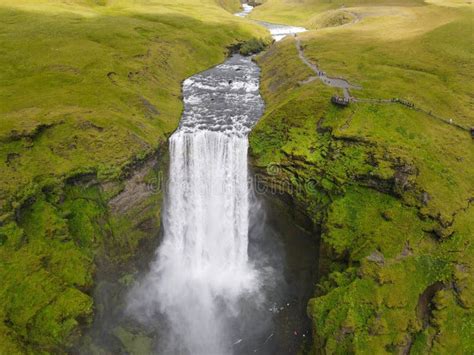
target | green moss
x=59, y=319
x=48, y=261
x=89, y=90
x=375, y=313
x=40, y=267
x=389, y=187
x=365, y=220
x=253, y=46
x=452, y=322
x=134, y=343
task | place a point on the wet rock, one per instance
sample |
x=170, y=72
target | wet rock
x=321, y=128
x=135, y=191
x=376, y=257
x=425, y=198
x=11, y=157
x=90, y=125
x=344, y=332
x=31, y=134
x=461, y=268
x=407, y=251
x=405, y=345
x=423, y=308
x=443, y=232
x=86, y=178
x=134, y=343
x=462, y=286
x=403, y=178
x=254, y=2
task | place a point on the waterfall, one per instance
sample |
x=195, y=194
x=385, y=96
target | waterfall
x=203, y=264
x=202, y=273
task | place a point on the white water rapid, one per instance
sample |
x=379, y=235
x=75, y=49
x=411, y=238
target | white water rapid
x=202, y=272
x=246, y=9
x=277, y=31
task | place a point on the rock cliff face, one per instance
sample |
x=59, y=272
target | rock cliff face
x=51, y=249
x=395, y=266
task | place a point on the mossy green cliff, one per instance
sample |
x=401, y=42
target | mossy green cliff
x=90, y=91
x=390, y=189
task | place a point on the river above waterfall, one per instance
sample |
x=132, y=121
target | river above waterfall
x=277, y=31
x=223, y=99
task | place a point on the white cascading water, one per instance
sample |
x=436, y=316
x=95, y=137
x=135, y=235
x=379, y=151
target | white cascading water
x=202, y=272
x=277, y=31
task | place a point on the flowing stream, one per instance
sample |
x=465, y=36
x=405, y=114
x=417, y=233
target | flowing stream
x=277, y=31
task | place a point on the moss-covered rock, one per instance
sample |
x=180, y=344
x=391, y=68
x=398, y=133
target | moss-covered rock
x=253, y=46
x=49, y=250
x=386, y=188
x=90, y=92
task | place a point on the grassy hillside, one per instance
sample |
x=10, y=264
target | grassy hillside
x=391, y=188
x=310, y=13
x=89, y=91
x=87, y=87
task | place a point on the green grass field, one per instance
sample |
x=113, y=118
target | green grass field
x=305, y=12
x=390, y=187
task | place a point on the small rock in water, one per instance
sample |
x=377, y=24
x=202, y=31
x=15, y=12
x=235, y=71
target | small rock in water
x=274, y=309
